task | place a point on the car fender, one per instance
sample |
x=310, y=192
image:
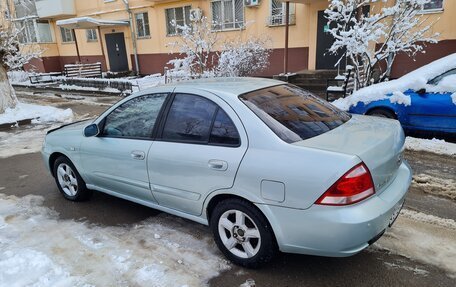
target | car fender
x=387, y=105
x=251, y=197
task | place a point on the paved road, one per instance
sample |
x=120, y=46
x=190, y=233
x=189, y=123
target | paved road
x=25, y=174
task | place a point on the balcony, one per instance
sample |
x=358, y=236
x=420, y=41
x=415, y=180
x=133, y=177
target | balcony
x=55, y=8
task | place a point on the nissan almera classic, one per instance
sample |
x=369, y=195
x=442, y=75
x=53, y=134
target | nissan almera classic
x=265, y=164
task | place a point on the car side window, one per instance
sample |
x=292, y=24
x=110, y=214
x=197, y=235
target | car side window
x=194, y=119
x=437, y=79
x=224, y=132
x=135, y=118
x=189, y=119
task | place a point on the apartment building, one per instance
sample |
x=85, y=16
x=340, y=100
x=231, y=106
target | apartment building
x=115, y=33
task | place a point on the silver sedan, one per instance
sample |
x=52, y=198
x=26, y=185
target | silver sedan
x=265, y=164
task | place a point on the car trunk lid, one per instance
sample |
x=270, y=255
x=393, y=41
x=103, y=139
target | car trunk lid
x=378, y=142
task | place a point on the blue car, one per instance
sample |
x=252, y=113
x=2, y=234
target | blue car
x=429, y=108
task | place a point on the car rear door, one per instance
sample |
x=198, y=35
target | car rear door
x=115, y=160
x=198, y=150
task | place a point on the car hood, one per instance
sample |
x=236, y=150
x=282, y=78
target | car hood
x=378, y=142
x=79, y=125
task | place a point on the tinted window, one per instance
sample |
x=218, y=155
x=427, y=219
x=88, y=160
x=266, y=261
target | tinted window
x=292, y=113
x=189, y=119
x=223, y=131
x=135, y=118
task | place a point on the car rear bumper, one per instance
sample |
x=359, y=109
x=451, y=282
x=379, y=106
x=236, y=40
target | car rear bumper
x=338, y=231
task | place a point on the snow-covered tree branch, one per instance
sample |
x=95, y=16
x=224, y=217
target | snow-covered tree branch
x=203, y=56
x=12, y=57
x=244, y=58
x=372, y=41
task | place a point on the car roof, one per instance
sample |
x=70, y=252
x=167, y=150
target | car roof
x=229, y=85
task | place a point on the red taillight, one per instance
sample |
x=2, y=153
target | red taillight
x=352, y=187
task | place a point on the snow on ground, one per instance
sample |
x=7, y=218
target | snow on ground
x=415, y=80
x=91, y=89
x=38, y=249
x=22, y=141
x=434, y=145
x=438, y=186
x=423, y=237
x=40, y=114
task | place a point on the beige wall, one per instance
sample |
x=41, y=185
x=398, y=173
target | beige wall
x=303, y=34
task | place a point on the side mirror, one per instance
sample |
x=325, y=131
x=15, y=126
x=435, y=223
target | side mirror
x=91, y=130
x=421, y=92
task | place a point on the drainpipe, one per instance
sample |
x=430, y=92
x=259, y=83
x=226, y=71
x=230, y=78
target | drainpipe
x=133, y=35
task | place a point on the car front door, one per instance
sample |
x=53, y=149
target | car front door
x=198, y=150
x=435, y=109
x=115, y=160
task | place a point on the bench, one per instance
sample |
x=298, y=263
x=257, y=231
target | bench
x=338, y=85
x=44, y=78
x=83, y=70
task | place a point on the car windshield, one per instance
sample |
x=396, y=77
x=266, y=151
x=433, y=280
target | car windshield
x=293, y=113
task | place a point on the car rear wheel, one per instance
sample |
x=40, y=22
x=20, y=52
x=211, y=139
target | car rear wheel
x=242, y=233
x=69, y=182
x=381, y=113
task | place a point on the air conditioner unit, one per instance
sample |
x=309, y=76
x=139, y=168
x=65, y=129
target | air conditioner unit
x=196, y=14
x=251, y=3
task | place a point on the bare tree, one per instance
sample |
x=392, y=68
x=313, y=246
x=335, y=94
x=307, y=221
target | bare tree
x=372, y=40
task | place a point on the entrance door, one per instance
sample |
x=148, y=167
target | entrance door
x=117, y=53
x=326, y=60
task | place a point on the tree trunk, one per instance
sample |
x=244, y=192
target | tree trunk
x=7, y=95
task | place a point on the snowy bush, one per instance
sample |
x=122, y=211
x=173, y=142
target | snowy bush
x=240, y=59
x=370, y=41
x=197, y=48
x=199, y=57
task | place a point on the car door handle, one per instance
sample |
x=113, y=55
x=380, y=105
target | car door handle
x=218, y=164
x=137, y=154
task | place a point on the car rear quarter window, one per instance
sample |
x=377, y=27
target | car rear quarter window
x=224, y=131
x=293, y=113
x=135, y=118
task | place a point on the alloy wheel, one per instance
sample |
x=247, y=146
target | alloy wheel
x=67, y=179
x=239, y=233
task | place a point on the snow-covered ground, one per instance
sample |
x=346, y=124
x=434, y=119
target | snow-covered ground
x=445, y=187
x=38, y=249
x=434, y=146
x=39, y=114
x=423, y=237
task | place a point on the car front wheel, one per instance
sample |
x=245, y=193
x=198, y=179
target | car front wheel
x=242, y=233
x=69, y=182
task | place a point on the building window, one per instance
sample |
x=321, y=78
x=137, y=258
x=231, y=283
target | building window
x=91, y=35
x=176, y=17
x=34, y=31
x=67, y=35
x=227, y=14
x=277, y=16
x=434, y=5
x=142, y=25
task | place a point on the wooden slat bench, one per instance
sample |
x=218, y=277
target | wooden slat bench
x=83, y=70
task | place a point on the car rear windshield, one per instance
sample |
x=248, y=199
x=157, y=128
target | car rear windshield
x=293, y=113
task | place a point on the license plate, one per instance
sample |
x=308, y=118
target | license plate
x=395, y=214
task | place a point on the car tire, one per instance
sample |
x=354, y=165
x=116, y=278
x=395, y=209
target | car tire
x=69, y=182
x=382, y=113
x=242, y=233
